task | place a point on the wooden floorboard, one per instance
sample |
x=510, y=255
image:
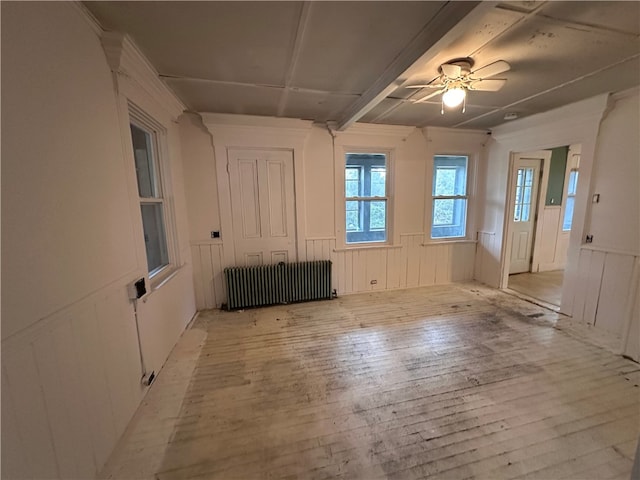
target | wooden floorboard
x=456, y=381
x=545, y=286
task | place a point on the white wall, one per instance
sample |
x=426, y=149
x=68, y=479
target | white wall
x=70, y=244
x=411, y=259
x=606, y=293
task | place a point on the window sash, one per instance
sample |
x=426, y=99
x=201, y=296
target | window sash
x=459, y=196
x=366, y=206
x=153, y=211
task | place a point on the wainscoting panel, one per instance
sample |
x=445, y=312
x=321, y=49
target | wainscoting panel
x=410, y=264
x=70, y=385
x=487, y=261
x=603, y=290
x=208, y=266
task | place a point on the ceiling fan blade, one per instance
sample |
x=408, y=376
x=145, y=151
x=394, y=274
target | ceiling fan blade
x=425, y=85
x=427, y=97
x=490, y=70
x=489, y=85
x=451, y=71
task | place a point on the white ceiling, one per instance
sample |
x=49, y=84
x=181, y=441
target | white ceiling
x=346, y=61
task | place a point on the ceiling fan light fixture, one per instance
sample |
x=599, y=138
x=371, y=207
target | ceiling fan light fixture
x=454, y=97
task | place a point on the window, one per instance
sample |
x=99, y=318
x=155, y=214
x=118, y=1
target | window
x=152, y=207
x=524, y=187
x=571, y=198
x=449, y=191
x=366, y=200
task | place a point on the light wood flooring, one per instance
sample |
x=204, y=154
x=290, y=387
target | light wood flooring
x=453, y=382
x=545, y=286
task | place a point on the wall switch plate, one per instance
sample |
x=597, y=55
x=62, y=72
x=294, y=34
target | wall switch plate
x=215, y=234
x=589, y=239
x=595, y=198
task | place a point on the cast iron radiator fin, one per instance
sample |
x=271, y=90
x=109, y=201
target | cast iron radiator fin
x=275, y=284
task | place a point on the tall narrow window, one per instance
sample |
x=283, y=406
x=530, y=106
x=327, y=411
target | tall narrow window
x=449, y=192
x=570, y=201
x=524, y=187
x=145, y=152
x=366, y=197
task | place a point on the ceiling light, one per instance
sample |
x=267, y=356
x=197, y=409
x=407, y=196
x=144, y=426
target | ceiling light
x=454, y=97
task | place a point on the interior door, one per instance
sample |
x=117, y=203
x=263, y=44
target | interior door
x=525, y=184
x=263, y=206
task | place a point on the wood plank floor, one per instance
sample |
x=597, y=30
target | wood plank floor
x=459, y=381
x=545, y=286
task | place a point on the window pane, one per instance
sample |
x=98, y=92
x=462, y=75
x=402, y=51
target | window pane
x=352, y=182
x=353, y=217
x=369, y=223
x=378, y=181
x=573, y=182
x=449, y=218
x=154, y=236
x=449, y=176
x=568, y=214
x=143, y=155
x=377, y=215
x=524, y=188
x=443, y=212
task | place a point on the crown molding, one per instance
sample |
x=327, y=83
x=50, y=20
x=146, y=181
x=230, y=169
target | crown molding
x=87, y=16
x=253, y=130
x=375, y=129
x=125, y=59
x=427, y=131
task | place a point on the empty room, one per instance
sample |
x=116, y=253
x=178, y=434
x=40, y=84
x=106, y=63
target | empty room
x=373, y=239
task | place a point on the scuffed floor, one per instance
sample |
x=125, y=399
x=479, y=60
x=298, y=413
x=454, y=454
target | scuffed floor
x=455, y=381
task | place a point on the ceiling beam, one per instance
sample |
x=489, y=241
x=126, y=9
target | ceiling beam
x=303, y=20
x=451, y=21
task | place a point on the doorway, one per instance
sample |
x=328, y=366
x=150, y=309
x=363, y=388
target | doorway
x=539, y=221
x=262, y=206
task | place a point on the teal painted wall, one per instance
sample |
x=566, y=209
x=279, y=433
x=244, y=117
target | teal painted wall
x=557, y=170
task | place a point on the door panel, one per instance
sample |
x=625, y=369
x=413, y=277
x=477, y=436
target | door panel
x=277, y=199
x=249, y=199
x=525, y=183
x=263, y=206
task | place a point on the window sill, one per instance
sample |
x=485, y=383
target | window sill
x=443, y=241
x=161, y=278
x=366, y=247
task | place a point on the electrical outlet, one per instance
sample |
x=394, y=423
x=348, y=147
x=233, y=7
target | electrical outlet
x=589, y=239
x=595, y=198
x=215, y=234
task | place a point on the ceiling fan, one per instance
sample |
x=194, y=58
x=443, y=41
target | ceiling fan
x=456, y=78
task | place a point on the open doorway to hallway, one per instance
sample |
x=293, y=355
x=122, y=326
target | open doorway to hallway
x=542, y=189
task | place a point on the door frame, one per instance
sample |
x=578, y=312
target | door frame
x=545, y=156
x=231, y=131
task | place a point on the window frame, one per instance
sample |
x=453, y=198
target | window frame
x=365, y=214
x=362, y=145
x=162, y=194
x=467, y=197
x=473, y=157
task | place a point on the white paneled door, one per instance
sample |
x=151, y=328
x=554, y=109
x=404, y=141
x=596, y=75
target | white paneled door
x=263, y=206
x=525, y=184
